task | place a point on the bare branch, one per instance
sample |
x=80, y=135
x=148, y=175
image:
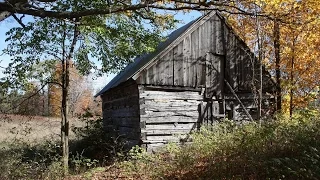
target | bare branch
x=18, y=20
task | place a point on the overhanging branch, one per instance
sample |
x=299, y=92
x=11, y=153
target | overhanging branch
x=187, y=5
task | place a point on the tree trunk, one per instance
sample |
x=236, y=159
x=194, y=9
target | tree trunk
x=65, y=120
x=65, y=96
x=260, y=66
x=277, y=59
x=291, y=77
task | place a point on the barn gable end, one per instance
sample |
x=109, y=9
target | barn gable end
x=196, y=77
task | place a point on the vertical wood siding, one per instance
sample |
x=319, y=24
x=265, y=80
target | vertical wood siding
x=197, y=59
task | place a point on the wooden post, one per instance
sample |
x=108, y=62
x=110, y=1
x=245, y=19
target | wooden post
x=236, y=96
x=201, y=112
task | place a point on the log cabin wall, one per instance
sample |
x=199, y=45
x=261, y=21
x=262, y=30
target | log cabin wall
x=121, y=112
x=167, y=115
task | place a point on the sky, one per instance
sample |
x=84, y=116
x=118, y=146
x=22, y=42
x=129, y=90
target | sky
x=98, y=83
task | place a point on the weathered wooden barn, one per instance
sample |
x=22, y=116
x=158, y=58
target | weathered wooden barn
x=201, y=74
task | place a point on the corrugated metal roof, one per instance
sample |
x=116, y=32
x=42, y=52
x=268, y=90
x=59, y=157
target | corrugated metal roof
x=142, y=60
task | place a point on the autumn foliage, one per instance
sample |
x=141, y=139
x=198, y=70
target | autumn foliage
x=299, y=44
x=80, y=93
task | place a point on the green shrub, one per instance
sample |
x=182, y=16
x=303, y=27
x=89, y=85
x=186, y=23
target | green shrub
x=282, y=149
x=93, y=146
x=23, y=161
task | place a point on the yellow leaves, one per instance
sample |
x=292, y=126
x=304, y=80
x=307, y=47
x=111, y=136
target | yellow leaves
x=128, y=13
x=299, y=42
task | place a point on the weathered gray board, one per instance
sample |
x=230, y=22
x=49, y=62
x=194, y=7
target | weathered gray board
x=167, y=116
x=202, y=57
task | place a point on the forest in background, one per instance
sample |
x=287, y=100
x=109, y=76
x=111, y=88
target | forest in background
x=283, y=34
x=37, y=100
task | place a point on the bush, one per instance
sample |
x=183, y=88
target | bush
x=93, y=145
x=282, y=149
x=22, y=161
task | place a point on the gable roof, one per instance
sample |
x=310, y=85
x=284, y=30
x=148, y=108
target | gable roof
x=141, y=61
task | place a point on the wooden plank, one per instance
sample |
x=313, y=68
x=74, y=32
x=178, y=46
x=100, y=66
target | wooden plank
x=128, y=122
x=160, y=67
x=151, y=140
x=172, y=119
x=200, y=116
x=147, y=76
x=150, y=76
x=170, y=95
x=213, y=44
x=166, y=114
x=166, y=131
x=208, y=73
x=194, y=57
x=166, y=138
x=128, y=99
x=178, y=64
x=172, y=108
x=170, y=68
x=214, y=77
x=156, y=74
x=207, y=36
x=219, y=34
x=231, y=58
x=170, y=126
x=186, y=60
x=166, y=70
x=199, y=57
x=171, y=88
x=124, y=112
x=190, y=93
x=177, y=103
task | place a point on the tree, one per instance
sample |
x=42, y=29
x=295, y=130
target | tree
x=112, y=40
x=289, y=45
x=80, y=92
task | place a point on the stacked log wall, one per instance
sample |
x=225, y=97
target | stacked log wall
x=168, y=116
x=121, y=112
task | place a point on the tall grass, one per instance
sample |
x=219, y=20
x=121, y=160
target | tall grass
x=286, y=148
x=281, y=149
x=91, y=147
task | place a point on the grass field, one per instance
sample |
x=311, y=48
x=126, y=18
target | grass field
x=31, y=129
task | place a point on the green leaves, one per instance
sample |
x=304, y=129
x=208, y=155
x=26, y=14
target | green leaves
x=106, y=43
x=117, y=40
